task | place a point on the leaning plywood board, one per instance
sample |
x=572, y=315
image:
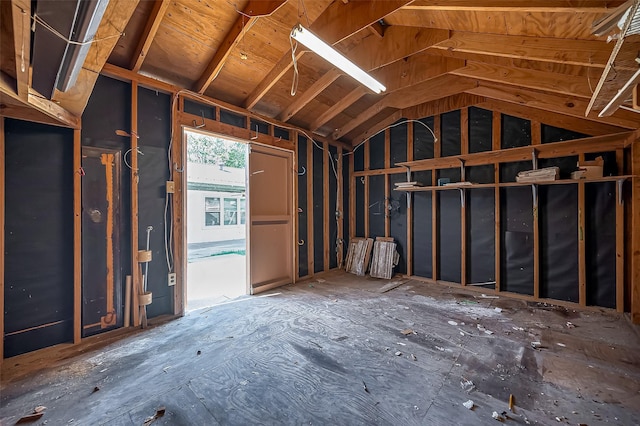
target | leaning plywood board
x=358, y=255
x=384, y=259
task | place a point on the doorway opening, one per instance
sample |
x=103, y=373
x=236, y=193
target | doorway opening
x=216, y=219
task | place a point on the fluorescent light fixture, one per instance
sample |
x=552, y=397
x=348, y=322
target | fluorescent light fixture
x=304, y=36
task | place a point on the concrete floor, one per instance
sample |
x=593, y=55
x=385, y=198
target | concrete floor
x=337, y=351
x=215, y=279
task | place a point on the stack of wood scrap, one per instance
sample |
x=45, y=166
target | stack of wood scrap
x=385, y=257
x=358, y=255
x=401, y=186
x=540, y=175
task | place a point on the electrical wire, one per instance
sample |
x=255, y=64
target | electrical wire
x=294, y=82
x=44, y=24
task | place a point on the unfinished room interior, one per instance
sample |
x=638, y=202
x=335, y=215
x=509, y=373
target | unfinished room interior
x=441, y=207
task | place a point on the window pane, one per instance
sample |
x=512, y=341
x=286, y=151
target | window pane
x=230, y=211
x=212, y=204
x=243, y=210
x=211, y=218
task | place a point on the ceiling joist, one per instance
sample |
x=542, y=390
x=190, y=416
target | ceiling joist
x=149, y=32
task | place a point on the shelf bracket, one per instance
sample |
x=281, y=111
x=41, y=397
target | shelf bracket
x=620, y=182
x=534, y=192
x=408, y=180
x=534, y=158
x=462, y=171
x=461, y=197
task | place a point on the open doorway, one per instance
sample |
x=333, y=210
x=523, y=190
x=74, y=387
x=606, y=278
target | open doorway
x=216, y=219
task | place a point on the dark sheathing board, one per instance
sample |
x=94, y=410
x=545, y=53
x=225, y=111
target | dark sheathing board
x=376, y=206
x=358, y=159
x=279, y=132
x=398, y=144
x=516, y=207
x=423, y=141
x=422, y=234
x=480, y=209
x=201, y=110
x=108, y=110
x=556, y=134
x=154, y=128
x=333, y=187
x=398, y=220
x=509, y=171
x=259, y=126
x=345, y=203
x=600, y=243
x=515, y=132
x=454, y=175
x=38, y=254
x=303, y=258
x=233, y=119
x=480, y=130
x=376, y=151
x=423, y=176
x=558, y=221
x=449, y=236
x=565, y=164
x=360, y=210
x=318, y=209
x=480, y=174
x=451, y=133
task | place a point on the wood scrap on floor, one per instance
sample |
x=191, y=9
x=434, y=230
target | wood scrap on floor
x=358, y=256
x=385, y=257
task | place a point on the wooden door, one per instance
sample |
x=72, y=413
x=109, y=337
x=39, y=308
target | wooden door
x=270, y=218
x=101, y=277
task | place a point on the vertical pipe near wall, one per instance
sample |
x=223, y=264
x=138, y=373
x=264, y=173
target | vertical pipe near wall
x=296, y=225
x=325, y=204
x=620, y=235
x=496, y=135
x=409, y=205
x=310, y=242
x=2, y=209
x=134, y=203
x=77, y=235
x=582, y=284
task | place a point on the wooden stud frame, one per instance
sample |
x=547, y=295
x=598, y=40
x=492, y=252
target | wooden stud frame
x=635, y=230
x=410, y=204
x=325, y=201
x=310, y=236
x=2, y=213
x=496, y=140
x=77, y=236
x=135, y=277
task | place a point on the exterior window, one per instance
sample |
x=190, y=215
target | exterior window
x=243, y=210
x=211, y=211
x=230, y=211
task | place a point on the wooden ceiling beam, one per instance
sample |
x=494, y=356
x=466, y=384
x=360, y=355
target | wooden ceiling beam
x=551, y=103
x=342, y=104
x=303, y=99
x=336, y=23
x=377, y=127
x=113, y=23
x=254, y=9
x=148, y=34
x=21, y=18
x=440, y=106
x=512, y=6
x=586, y=53
x=522, y=20
x=538, y=80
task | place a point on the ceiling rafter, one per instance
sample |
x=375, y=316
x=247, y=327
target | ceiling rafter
x=148, y=34
x=336, y=23
x=378, y=127
x=342, y=104
x=316, y=88
x=254, y=9
x=440, y=106
x=21, y=18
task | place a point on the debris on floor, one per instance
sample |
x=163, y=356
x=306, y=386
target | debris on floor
x=484, y=330
x=407, y=331
x=467, y=385
x=452, y=323
x=570, y=325
x=364, y=385
x=159, y=413
x=95, y=389
x=497, y=309
x=511, y=402
x=468, y=404
x=484, y=296
x=413, y=357
x=398, y=353
x=497, y=416
x=38, y=412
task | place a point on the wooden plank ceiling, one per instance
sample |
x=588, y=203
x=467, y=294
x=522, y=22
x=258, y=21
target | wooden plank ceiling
x=541, y=57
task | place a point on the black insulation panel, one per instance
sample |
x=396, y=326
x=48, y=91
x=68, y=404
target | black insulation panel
x=199, y=109
x=480, y=130
x=398, y=144
x=333, y=225
x=515, y=132
x=398, y=220
x=422, y=234
x=558, y=221
x=38, y=232
x=154, y=128
x=423, y=140
x=600, y=243
x=610, y=168
x=345, y=203
x=509, y=171
x=480, y=209
x=303, y=257
x=516, y=207
x=451, y=134
x=376, y=151
x=376, y=206
x=280, y=132
x=556, y=134
x=232, y=118
x=360, y=208
x=454, y=175
x=318, y=209
x=480, y=174
x=423, y=176
x=565, y=164
x=449, y=236
x=259, y=126
x=358, y=159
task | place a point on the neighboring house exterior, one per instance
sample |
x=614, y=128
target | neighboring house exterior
x=216, y=203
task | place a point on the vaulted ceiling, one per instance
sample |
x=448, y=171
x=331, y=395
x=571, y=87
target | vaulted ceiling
x=535, y=58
